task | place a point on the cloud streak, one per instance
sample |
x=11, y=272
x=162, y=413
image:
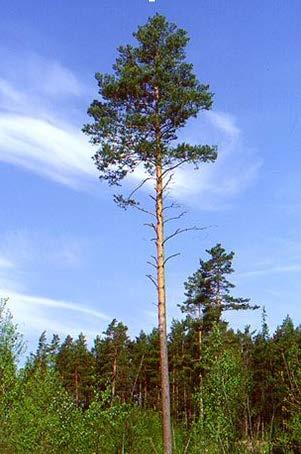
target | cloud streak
x=32, y=301
x=60, y=154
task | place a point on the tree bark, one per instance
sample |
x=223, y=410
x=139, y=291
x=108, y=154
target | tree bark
x=161, y=290
x=76, y=387
x=114, y=375
x=200, y=340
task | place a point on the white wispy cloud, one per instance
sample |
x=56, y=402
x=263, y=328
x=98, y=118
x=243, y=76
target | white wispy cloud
x=61, y=154
x=37, y=313
x=34, y=132
x=20, y=299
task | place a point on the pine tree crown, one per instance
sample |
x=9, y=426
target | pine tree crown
x=150, y=95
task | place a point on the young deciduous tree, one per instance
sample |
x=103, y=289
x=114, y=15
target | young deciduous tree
x=11, y=346
x=149, y=97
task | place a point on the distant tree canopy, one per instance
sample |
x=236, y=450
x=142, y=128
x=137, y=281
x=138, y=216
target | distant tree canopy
x=69, y=398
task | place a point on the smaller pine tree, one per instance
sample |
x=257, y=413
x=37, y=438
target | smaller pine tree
x=208, y=290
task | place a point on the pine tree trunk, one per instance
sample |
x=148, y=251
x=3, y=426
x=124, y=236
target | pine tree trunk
x=185, y=405
x=145, y=395
x=140, y=394
x=167, y=437
x=114, y=375
x=76, y=387
x=200, y=340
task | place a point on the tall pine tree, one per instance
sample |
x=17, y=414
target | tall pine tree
x=152, y=94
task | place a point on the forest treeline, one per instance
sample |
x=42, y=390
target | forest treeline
x=231, y=392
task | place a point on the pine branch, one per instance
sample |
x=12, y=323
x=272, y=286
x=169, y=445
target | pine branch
x=139, y=186
x=152, y=279
x=171, y=256
x=179, y=231
x=174, y=218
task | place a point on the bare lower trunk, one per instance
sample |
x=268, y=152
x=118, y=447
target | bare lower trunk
x=167, y=437
x=114, y=376
x=137, y=376
x=76, y=387
x=200, y=340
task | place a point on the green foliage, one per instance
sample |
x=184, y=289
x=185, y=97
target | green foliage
x=112, y=359
x=208, y=290
x=76, y=366
x=242, y=395
x=221, y=396
x=144, y=369
x=120, y=427
x=11, y=342
x=11, y=345
x=152, y=93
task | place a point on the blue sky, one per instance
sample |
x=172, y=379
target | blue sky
x=70, y=260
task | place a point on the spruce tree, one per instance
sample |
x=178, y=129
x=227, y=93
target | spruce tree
x=141, y=106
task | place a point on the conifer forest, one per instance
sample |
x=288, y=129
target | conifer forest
x=231, y=392
x=191, y=385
